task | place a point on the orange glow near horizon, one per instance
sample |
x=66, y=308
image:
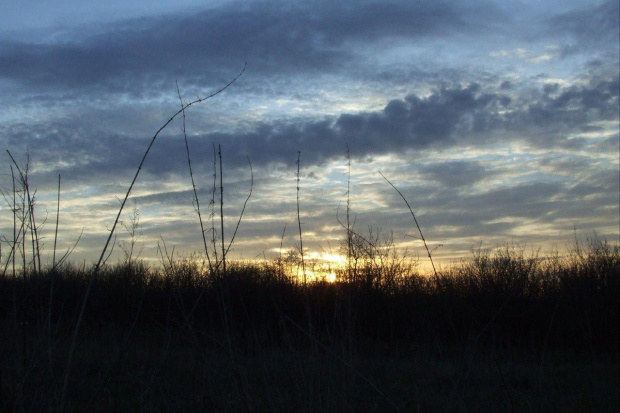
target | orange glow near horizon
x=329, y=263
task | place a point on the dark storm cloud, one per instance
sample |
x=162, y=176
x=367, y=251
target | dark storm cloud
x=274, y=38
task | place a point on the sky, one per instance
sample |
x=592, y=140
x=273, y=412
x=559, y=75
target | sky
x=497, y=120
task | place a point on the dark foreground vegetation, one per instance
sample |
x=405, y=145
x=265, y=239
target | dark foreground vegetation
x=501, y=331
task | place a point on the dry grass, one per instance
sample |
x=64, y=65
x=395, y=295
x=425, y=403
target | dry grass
x=499, y=332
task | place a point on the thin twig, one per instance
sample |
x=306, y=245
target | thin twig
x=230, y=242
x=187, y=105
x=36, y=255
x=95, y=271
x=301, y=241
x=213, y=191
x=13, y=249
x=416, y=223
x=57, y=222
x=349, y=240
x=280, y=259
x=70, y=250
x=14, y=222
x=351, y=231
x=191, y=174
x=49, y=312
x=219, y=152
x=244, y=205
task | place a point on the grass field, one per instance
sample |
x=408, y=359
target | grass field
x=500, y=331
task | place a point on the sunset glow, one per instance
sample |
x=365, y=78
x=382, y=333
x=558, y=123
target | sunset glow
x=325, y=205
x=497, y=123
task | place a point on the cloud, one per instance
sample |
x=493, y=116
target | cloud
x=296, y=39
x=455, y=174
x=483, y=145
x=449, y=117
x=592, y=26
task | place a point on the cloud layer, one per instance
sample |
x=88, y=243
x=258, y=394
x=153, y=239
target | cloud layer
x=500, y=123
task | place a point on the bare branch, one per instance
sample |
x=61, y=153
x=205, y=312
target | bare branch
x=103, y=252
x=191, y=174
x=244, y=205
x=430, y=257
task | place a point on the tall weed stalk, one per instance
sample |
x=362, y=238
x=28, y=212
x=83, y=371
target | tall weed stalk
x=97, y=267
